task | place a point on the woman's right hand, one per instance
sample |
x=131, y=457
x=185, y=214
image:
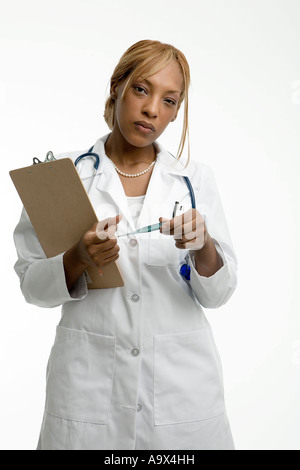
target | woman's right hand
x=98, y=247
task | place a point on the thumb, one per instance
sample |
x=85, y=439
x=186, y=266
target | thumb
x=113, y=221
x=118, y=218
x=113, y=226
x=104, y=224
x=165, y=228
x=107, y=228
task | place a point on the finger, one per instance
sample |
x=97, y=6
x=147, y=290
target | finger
x=172, y=226
x=99, y=255
x=183, y=238
x=107, y=245
x=189, y=229
x=107, y=257
x=169, y=224
x=193, y=240
x=192, y=237
x=110, y=260
x=109, y=253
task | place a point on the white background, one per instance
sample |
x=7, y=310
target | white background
x=57, y=57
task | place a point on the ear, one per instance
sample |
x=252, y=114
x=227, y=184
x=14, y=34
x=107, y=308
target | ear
x=114, y=91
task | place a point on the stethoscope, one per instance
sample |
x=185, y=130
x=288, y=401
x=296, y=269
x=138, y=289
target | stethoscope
x=185, y=269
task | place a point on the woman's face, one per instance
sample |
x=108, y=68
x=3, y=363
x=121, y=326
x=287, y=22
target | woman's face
x=148, y=106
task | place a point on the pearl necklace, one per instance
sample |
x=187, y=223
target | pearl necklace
x=127, y=175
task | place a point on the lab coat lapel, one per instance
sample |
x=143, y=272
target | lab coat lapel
x=110, y=186
x=165, y=187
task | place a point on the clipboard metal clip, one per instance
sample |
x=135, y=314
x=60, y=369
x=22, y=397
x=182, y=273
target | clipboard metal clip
x=49, y=158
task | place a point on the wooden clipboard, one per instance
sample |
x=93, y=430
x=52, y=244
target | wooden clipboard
x=61, y=212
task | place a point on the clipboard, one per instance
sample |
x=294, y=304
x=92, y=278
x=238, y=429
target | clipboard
x=61, y=212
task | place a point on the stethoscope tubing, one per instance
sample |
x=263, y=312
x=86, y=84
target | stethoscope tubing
x=91, y=154
x=185, y=269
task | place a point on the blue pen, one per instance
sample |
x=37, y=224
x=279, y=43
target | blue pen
x=148, y=228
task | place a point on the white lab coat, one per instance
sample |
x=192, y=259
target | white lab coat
x=135, y=367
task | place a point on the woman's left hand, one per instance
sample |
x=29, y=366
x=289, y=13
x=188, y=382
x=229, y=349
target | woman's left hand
x=188, y=229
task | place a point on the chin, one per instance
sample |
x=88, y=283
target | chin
x=139, y=141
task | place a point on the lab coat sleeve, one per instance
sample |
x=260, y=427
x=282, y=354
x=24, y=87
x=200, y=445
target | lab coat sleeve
x=42, y=280
x=216, y=290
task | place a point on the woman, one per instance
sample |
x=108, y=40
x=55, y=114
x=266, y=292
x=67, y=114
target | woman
x=136, y=367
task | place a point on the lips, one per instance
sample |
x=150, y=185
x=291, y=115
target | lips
x=145, y=125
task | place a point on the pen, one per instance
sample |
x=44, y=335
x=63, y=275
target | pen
x=175, y=209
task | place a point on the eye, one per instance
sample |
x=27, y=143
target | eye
x=139, y=89
x=170, y=102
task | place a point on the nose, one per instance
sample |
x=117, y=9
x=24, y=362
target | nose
x=150, y=108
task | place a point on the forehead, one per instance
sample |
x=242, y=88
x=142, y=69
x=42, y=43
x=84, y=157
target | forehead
x=168, y=78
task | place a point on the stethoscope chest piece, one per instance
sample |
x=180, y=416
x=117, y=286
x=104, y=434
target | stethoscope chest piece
x=185, y=271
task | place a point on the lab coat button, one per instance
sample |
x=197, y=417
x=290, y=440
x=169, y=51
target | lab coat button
x=139, y=408
x=135, y=352
x=135, y=298
x=133, y=242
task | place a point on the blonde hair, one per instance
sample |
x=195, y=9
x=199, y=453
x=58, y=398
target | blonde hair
x=142, y=60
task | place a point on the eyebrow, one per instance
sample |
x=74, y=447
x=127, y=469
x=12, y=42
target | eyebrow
x=169, y=91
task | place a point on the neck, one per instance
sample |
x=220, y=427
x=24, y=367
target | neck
x=121, y=152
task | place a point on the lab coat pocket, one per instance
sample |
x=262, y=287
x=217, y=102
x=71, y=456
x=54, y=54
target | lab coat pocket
x=188, y=384
x=163, y=252
x=80, y=375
